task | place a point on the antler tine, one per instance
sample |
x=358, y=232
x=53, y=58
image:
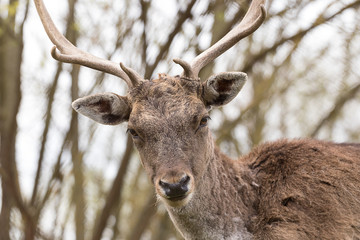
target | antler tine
x=134, y=77
x=254, y=17
x=70, y=54
x=188, y=71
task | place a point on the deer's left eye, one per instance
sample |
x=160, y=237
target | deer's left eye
x=204, y=121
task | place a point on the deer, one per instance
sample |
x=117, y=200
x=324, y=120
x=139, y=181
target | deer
x=286, y=189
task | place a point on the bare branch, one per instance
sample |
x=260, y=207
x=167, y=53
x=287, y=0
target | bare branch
x=338, y=106
x=318, y=22
x=183, y=16
x=115, y=192
x=144, y=218
x=51, y=95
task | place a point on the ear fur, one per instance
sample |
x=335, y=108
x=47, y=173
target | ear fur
x=104, y=108
x=221, y=88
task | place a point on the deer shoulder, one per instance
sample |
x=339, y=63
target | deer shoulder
x=306, y=189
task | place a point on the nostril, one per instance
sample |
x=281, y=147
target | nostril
x=163, y=184
x=175, y=190
x=185, y=180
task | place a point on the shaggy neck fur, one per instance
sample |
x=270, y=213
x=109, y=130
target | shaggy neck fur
x=221, y=204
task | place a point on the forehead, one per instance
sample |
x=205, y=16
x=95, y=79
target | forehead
x=167, y=97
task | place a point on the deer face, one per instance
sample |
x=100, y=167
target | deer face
x=168, y=123
x=167, y=119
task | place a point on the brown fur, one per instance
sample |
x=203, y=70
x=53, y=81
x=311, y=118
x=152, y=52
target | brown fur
x=288, y=189
x=307, y=190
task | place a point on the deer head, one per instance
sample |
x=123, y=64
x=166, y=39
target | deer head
x=167, y=117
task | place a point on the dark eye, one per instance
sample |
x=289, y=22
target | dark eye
x=132, y=132
x=204, y=121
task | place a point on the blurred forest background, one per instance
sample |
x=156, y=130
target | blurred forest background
x=66, y=177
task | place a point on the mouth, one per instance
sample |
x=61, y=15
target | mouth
x=176, y=201
x=176, y=198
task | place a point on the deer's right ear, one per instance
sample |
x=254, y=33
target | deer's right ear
x=104, y=108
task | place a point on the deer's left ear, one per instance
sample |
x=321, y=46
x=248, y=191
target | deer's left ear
x=221, y=88
x=104, y=108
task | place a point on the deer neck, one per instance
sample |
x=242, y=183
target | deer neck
x=222, y=204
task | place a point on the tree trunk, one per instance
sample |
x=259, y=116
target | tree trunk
x=11, y=47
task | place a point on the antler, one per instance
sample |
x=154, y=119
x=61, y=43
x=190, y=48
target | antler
x=70, y=54
x=254, y=17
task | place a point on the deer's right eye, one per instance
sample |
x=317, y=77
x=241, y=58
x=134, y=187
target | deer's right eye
x=133, y=133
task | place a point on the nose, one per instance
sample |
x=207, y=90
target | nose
x=175, y=191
